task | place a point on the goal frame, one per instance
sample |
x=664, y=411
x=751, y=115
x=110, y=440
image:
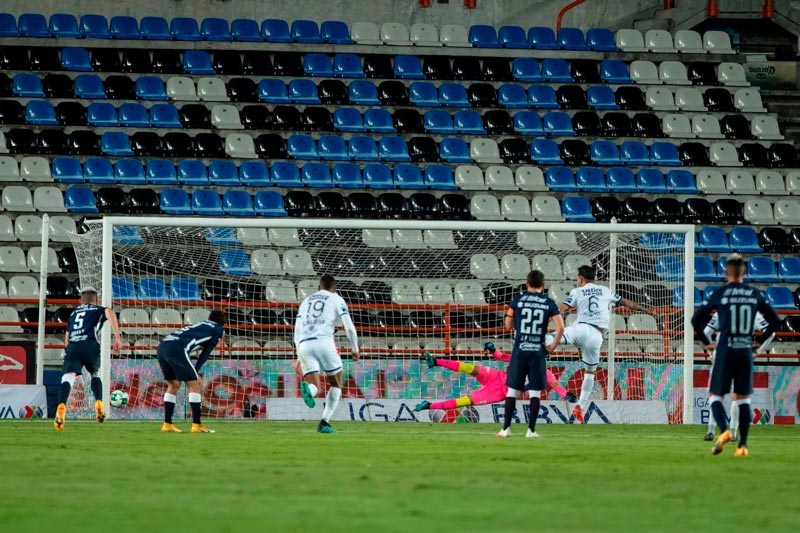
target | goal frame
x=613, y=228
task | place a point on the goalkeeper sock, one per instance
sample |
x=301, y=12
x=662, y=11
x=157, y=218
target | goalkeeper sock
x=744, y=422
x=586, y=390
x=194, y=401
x=97, y=388
x=169, y=406
x=331, y=403
x=734, y=416
x=452, y=403
x=553, y=383
x=66, y=387
x=456, y=366
x=719, y=413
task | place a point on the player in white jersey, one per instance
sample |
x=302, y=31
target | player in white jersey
x=711, y=329
x=316, y=350
x=591, y=327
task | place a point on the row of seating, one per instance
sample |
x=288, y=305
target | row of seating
x=760, y=269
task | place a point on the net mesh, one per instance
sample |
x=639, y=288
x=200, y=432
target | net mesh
x=409, y=291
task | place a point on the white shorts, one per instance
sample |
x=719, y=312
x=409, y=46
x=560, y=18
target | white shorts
x=589, y=340
x=319, y=355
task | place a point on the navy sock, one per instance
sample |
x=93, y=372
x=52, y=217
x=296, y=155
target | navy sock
x=535, y=403
x=97, y=388
x=511, y=404
x=63, y=392
x=169, y=410
x=719, y=415
x=195, y=412
x=744, y=424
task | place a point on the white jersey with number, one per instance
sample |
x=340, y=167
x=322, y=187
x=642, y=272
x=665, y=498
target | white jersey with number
x=592, y=302
x=318, y=315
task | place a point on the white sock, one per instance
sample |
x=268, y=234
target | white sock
x=734, y=416
x=712, y=424
x=331, y=403
x=586, y=390
x=313, y=389
x=171, y=398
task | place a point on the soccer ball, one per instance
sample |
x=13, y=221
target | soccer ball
x=119, y=398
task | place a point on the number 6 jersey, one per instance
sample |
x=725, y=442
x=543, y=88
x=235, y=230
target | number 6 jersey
x=592, y=302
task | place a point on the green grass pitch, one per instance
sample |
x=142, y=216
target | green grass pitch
x=281, y=476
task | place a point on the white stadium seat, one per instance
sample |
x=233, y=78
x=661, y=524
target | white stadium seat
x=266, y=263
x=23, y=287
x=226, y=117
x=168, y=319
x=470, y=178
x=559, y=291
x=689, y=99
x=706, y=126
x=630, y=40
x=677, y=125
x=146, y=346
x=732, y=75
x=406, y=292
x=770, y=183
x=469, y=293
x=35, y=258
x=515, y=266
x=572, y=263
x=437, y=293
x=793, y=183
x=689, y=42
x=748, y=101
x=454, y=35
x=365, y=33
x=9, y=170
x=280, y=290
x=641, y=322
x=17, y=198
x=298, y=262
x=424, y=35
x=252, y=236
x=484, y=151
x=550, y=265
x=660, y=99
x=532, y=240
x=644, y=72
x=724, y=154
x=6, y=229
x=717, y=42
x=546, y=209
x=195, y=314
x=406, y=344
x=530, y=178
x=35, y=169
x=759, y=212
x=244, y=348
x=49, y=200
x=212, y=90
x=787, y=212
x=377, y=238
x=481, y=266
x=408, y=238
x=430, y=345
x=9, y=314
x=306, y=287
x=439, y=239
x=516, y=207
x=240, y=145
x=740, y=182
x=395, y=33
x=28, y=228
x=61, y=226
x=765, y=128
x=52, y=356
x=286, y=237
x=500, y=178
x=181, y=88
x=132, y=315
x=371, y=346
x=711, y=182
x=659, y=41
x=3, y=148
x=485, y=207
x=673, y=73
x=562, y=241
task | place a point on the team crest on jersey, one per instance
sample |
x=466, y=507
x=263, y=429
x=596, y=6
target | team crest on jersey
x=724, y=301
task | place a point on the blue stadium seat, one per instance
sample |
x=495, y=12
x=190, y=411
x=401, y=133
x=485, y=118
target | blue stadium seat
x=175, y=202
x=681, y=182
x=347, y=66
x=378, y=121
x=197, y=62
x=161, y=172
x=124, y=27
x=318, y=65
x=454, y=150
x=302, y=146
x=601, y=40
x=123, y=289
x=634, y=153
x=238, y=203
x=789, y=269
x=254, y=174
x=483, y=36
x=393, y=148
x=528, y=123
x=206, y=202
x=670, y=267
x=437, y=121
x=102, y=114
x=185, y=29
x=276, y=31
x=439, y=177
x=67, y=170
x=305, y=31
x=223, y=173
x=273, y=91
x=762, y=269
x=40, y=112
x=571, y=39
x=89, y=87
x=27, y=85
x=184, y=289
x=605, y=153
x=614, y=71
x=363, y=148
x=590, y=180
x=713, y=239
x=152, y=289
x=556, y=70
x=235, y=263
x=332, y=148
x=64, y=26
x=222, y=237
x=780, y=298
x=32, y=25
x=129, y=172
x=576, y=209
x=512, y=96
x=94, y=27
x=469, y=122
x=601, y=97
x=303, y=92
x=80, y=200
x=150, y=88
x=335, y=32
x=164, y=116
x=560, y=179
x=98, y=170
x=512, y=37
x=316, y=175
x=704, y=269
x=546, y=152
x=665, y=154
x=651, y=181
x=708, y=290
x=362, y=92
x=215, y=29
x=378, y=177
x=542, y=97
x=423, y=94
x=347, y=176
x=8, y=25
x=677, y=296
x=721, y=262
x=453, y=95
x=76, y=59
x=246, y=30
x=526, y=69
x=541, y=38
x=558, y=124
x=155, y=29
x=408, y=67
x=348, y=119
x=193, y=172
x=115, y=143
x=744, y=240
x=408, y=176
x=127, y=235
x=285, y=174
x=269, y=204
x=621, y=180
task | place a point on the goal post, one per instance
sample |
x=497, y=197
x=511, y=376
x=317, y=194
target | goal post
x=412, y=286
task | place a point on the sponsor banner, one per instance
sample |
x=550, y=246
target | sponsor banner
x=772, y=74
x=23, y=401
x=17, y=363
x=761, y=401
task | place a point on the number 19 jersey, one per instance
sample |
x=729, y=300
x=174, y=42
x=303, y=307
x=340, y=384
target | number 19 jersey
x=592, y=302
x=317, y=316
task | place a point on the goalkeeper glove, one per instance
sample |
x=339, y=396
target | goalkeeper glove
x=489, y=347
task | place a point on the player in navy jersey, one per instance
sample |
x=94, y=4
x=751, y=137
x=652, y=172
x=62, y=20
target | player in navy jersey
x=528, y=315
x=82, y=350
x=174, y=358
x=736, y=305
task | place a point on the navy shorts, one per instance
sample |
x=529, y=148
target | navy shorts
x=81, y=355
x=732, y=366
x=175, y=363
x=527, y=364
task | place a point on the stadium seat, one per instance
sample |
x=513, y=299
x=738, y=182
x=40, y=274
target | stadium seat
x=33, y=25
x=789, y=269
x=644, y=72
x=27, y=85
x=542, y=97
x=601, y=97
x=40, y=112
x=408, y=67
x=556, y=70
x=423, y=94
x=673, y=73
x=723, y=154
x=634, y=153
x=560, y=179
x=732, y=75
x=317, y=65
x=89, y=87
x=605, y=153
x=483, y=36
x=779, y=298
x=8, y=25
x=335, y=32
x=621, y=180
x=576, y=209
x=713, y=239
x=305, y=31
x=666, y=154
x=102, y=114
x=154, y=28
x=630, y=40
x=770, y=183
x=161, y=116
x=276, y=31
x=235, y=263
x=197, y=62
x=766, y=128
x=717, y=42
x=651, y=181
x=212, y=90
x=238, y=203
x=363, y=148
x=438, y=121
x=115, y=143
x=762, y=269
x=393, y=149
x=246, y=30
x=659, y=41
x=512, y=37
x=689, y=42
x=614, y=71
x=332, y=148
x=365, y=33
x=64, y=26
x=347, y=175
x=500, y=178
x=542, y=38
x=395, y=34
x=787, y=212
x=571, y=39
x=185, y=29
x=454, y=35
x=270, y=204
x=486, y=207
x=98, y=170
x=31, y=169
x=79, y=200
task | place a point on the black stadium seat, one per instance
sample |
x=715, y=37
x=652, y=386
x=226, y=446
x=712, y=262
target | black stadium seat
x=167, y=62
x=271, y=146
x=71, y=114
x=514, y=151
x=616, y=124
x=630, y=292
x=604, y=208
x=106, y=60
x=242, y=90
x=393, y=93
x=423, y=150
x=144, y=202
x=698, y=211
x=424, y=206
x=794, y=240
x=437, y=68
x=60, y=287
x=482, y=95
x=112, y=200
x=83, y=142
x=257, y=63
x=735, y=127
x=718, y=99
x=498, y=122
x=331, y=205
x=208, y=145
x=300, y=204
x=5, y=85
x=287, y=64
x=44, y=58
x=11, y=112
x=585, y=70
x=637, y=210
x=378, y=66
x=454, y=206
x=774, y=240
x=286, y=118
x=256, y=117
x=571, y=97
x=408, y=121
x=136, y=61
x=362, y=205
x=630, y=98
x=668, y=211
x=317, y=119
x=67, y=261
x=753, y=155
x=782, y=155
x=58, y=86
x=466, y=68
x=646, y=125
x=14, y=58
x=146, y=143
x=21, y=141
x=215, y=290
x=499, y=293
x=120, y=87
x=575, y=153
x=702, y=73
x=60, y=317
x=52, y=141
x=496, y=69
x=195, y=116
x=333, y=92
x=178, y=144
x=694, y=154
x=392, y=205
x=657, y=295
x=587, y=123
x=728, y=211
x=227, y=62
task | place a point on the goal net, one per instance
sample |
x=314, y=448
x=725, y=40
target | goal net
x=412, y=287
